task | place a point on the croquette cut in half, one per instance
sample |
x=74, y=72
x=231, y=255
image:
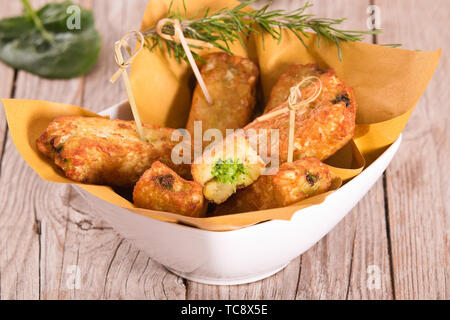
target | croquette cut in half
x=293, y=182
x=226, y=167
x=102, y=151
x=160, y=188
x=322, y=127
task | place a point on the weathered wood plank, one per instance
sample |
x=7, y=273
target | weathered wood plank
x=35, y=206
x=19, y=243
x=6, y=74
x=337, y=267
x=340, y=266
x=419, y=210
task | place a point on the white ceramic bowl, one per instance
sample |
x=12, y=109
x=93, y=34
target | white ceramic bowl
x=239, y=256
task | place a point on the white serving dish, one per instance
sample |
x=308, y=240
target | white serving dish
x=240, y=256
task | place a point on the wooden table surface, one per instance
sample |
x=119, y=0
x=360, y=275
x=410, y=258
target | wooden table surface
x=399, y=231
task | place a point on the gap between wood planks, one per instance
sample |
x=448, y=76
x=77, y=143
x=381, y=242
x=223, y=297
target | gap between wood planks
x=386, y=204
x=12, y=93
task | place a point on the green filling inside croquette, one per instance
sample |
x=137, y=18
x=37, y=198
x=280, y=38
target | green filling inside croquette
x=228, y=171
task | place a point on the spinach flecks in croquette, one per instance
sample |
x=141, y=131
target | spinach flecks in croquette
x=166, y=181
x=342, y=98
x=228, y=171
x=57, y=148
x=311, y=178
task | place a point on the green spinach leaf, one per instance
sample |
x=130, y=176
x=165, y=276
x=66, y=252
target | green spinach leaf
x=41, y=42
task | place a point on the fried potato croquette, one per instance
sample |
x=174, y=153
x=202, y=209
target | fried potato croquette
x=160, y=188
x=293, y=182
x=231, y=82
x=227, y=166
x=103, y=151
x=322, y=127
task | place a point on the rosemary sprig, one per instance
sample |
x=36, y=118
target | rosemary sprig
x=228, y=25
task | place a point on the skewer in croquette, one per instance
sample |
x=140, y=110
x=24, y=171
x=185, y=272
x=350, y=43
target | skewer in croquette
x=293, y=182
x=322, y=127
x=103, y=151
x=160, y=188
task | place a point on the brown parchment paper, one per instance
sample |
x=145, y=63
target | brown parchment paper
x=387, y=82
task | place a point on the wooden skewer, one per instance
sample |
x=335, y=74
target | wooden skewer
x=295, y=103
x=123, y=65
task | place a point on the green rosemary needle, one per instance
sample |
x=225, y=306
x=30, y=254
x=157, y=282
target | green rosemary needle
x=228, y=25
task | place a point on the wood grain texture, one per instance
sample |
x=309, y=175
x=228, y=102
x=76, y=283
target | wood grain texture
x=35, y=211
x=110, y=267
x=19, y=244
x=40, y=212
x=6, y=75
x=418, y=195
